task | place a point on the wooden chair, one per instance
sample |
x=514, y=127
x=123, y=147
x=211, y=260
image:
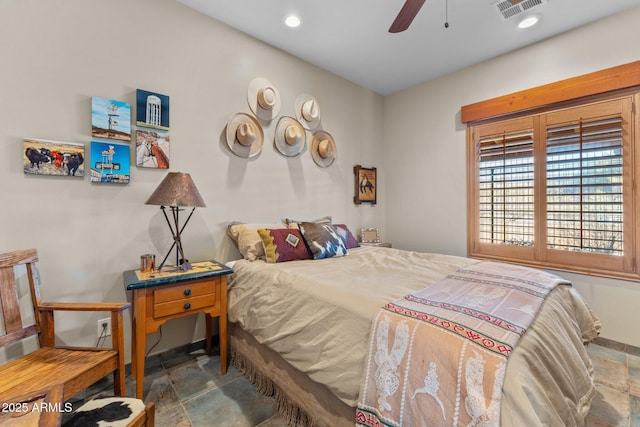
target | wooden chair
x=75, y=368
x=44, y=408
x=23, y=411
x=113, y=411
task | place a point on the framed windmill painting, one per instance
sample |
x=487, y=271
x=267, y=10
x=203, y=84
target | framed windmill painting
x=110, y=119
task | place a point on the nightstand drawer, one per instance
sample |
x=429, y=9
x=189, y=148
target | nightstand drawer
x=184, y=305
x=190, y=290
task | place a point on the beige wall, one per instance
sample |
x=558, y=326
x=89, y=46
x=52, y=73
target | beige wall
x=425, y=149
x=57, y=54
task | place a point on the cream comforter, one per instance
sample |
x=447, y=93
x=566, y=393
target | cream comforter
x=317, y=315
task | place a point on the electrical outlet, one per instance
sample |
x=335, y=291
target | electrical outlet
x=104, y=327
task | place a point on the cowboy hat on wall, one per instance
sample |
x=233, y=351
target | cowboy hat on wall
x=290, y=137
x=307, y=111
x=323, y=149
x=245, y=136
x=263, y=99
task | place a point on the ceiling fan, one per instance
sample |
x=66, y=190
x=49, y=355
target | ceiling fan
x=406, y=15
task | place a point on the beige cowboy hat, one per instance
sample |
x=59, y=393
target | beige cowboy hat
x=307, y=111
x=263, y=99
x=323, y=149
x=290, y=137
x=245, y=137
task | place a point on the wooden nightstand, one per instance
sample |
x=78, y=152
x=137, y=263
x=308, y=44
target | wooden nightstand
x=165, y=295
x=379, y=244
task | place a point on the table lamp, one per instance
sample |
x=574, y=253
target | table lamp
x=176, y=191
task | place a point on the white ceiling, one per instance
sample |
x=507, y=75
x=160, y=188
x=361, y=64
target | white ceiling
x=350, y=37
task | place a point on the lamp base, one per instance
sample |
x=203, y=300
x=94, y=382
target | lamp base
x=183, y=266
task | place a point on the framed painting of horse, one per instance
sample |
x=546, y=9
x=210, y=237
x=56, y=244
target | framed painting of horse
x=366, y=185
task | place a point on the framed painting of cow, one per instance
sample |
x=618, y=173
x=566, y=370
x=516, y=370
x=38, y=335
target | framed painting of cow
x=53, y=158
x=366, y=185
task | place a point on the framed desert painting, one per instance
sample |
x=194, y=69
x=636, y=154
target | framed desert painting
x=366, y=185
x=110, y=119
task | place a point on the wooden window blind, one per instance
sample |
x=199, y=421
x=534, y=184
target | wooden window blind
x=585, y=186
x=556, y=188
x=506, y=189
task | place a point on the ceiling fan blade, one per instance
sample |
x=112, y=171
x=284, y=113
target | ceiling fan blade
x=406, y=15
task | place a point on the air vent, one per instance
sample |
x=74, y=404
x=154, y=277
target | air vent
x=510, y=8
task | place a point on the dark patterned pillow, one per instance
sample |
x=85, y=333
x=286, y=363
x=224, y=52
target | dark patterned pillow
x=346, y=235
x=322, y=240
x=281, y=245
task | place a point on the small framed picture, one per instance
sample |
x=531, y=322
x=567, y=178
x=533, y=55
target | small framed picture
x=370, y=235
x=110, y=119
x=366, y=185
x=53, y=158
x=110, y=163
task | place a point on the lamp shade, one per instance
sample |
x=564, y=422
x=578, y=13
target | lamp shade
x=176, y=189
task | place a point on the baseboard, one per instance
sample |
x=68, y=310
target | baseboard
x=615, y=345
x=156, y=358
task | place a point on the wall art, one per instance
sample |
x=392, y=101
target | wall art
x=110, y=162
x=55, y=158
x=152, y=149
x=366, y=185
x=152, y=110
x=110, y=119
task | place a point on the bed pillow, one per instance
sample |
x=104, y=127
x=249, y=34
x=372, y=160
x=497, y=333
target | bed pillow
x=284, y=244
x=322, y=240
x=248, y=240
x=346, y=235
x=294, y=223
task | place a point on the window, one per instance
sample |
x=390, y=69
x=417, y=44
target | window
x=505, y=187
x=585, y=187
x=556, y=188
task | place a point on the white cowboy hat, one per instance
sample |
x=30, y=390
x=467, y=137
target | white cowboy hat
x=290, y=137
x=307, y=111
x=244, y=135
x=323, y=149
x=263, y=99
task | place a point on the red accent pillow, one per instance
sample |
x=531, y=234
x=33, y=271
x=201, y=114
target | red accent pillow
x=346, y=235
x=281, y=245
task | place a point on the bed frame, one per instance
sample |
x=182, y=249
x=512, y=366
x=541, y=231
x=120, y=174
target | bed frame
x=300, y=400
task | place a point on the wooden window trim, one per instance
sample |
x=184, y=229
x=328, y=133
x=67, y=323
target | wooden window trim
x=605, y=81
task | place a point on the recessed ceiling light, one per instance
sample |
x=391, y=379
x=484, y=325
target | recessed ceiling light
x=528, y=22
x=292, y=21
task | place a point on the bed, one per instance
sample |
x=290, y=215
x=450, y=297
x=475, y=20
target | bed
x=300, y=331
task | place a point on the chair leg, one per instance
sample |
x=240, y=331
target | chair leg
x=151, y=414
x=119, y=383
x=117, y=341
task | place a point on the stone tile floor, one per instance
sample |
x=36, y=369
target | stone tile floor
x=189, y=390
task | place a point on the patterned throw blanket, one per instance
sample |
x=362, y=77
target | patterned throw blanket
x=438, y=356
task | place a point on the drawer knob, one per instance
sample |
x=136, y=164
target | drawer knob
x=187, y=306
x=187, y=292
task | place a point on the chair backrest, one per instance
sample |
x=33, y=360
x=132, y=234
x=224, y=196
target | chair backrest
x=12, y=327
